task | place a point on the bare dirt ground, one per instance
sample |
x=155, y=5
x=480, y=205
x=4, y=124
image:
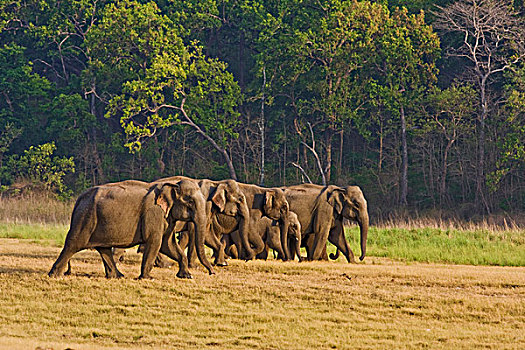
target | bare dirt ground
x=377, y=304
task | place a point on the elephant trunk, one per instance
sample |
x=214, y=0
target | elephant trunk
x=244, y=231
x=298, y=247
x=285, y=224
x=363, y=225
x=201, y=227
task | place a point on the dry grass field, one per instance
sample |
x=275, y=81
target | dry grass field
x=378, y=304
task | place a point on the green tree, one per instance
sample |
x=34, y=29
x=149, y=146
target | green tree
x=38, y=165
x=403, y=70
x=163, y=81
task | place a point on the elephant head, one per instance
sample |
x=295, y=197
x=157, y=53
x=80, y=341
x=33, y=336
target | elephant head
x=294, y=232
x=230, y=199
x=183, y=201
x=276, y=207
x=350, y=203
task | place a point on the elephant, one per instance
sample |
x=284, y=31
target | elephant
x=226, y=210
x=321, y=210
x=270, y=232
x=224, y=199
x=132, y=212
x=161, y=260
x=261, y=202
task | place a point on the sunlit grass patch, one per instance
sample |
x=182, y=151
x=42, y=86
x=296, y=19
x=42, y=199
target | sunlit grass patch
x=480, y=247
x=43, y=233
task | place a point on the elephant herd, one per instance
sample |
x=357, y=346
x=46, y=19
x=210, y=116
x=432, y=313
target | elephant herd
x=234, y=219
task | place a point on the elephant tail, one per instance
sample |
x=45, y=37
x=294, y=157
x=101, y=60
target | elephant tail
x=335, y=256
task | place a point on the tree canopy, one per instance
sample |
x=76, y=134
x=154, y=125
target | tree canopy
x=421, y=103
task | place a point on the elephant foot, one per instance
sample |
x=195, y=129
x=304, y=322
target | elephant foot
x=184, y=274
x=249, y=255
x=68, y=272
x=53, y=274
x=117, y=275
x=221, y=262
x=163, y=263
x=145, y=277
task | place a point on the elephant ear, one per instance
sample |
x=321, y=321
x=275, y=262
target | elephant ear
x=219, y=197
x=336, y=200
x=166, y=196
x=269, y=198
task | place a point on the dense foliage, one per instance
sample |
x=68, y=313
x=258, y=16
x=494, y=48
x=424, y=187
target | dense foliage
x=421, y=103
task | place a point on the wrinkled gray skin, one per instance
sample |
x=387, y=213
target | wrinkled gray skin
x=128, y=213
x=270, y=232
x=226, y=200
x=321, y=210
x=263, y=203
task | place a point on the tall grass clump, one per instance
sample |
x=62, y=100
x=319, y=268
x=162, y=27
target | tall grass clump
x=35, y=208
x=35, y=216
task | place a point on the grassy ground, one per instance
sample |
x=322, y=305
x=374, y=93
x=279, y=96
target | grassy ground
x=482, y=247
x=473, y=247
x=401, y=296
x=261, y=305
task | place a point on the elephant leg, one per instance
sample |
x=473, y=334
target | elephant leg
x=319, y=244
x=118, y=254
x=63, y=260
x=154, y=226
x=171, y=248
x=308, y=242
x=184, y=239
x=232, y=251
x=274, y=241
x=256, y=242
x=337, y=238
x=109, y=263
x=324, y=254
x=163, y=261
x=192, y=252
x=188, y=238
x=151, y=250
x=264, y=254
x=214, y=243
x=229, y=247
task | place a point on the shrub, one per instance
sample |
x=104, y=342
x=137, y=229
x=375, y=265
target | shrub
x=38, y=166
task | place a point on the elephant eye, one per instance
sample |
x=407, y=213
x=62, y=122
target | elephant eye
x=188, y=199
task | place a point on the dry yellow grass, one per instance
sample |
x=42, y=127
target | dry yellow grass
x=258, y=305
x=35, y=208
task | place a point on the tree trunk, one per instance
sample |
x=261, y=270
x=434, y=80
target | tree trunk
x=284, y=155
x=404, y=158
x=480, y=175
x=98, y=163
x=380, y=162
x=328, y=167
x=443, y=182
x=261, y=130
x=340, y=162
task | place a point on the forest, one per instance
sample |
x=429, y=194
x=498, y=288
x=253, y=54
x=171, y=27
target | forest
x=421, y=103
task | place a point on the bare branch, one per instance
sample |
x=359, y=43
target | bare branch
x=302, y=171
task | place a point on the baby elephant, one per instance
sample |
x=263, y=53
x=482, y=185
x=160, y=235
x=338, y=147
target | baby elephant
x=270, y=232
